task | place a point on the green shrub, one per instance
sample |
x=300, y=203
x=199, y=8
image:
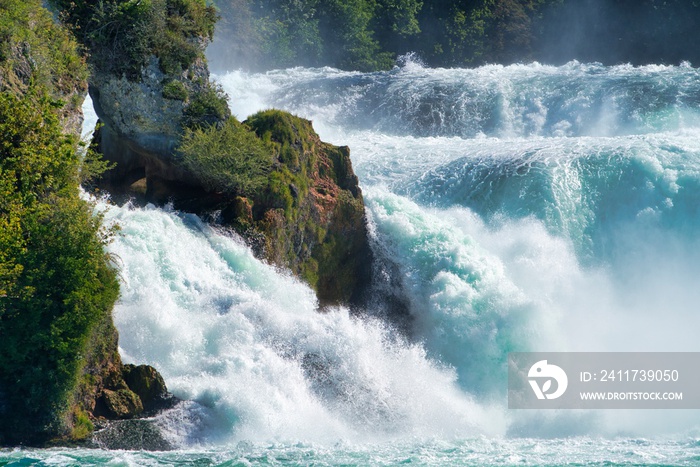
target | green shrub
x=35, y=49
x=83, y=426
x=175, y=90
x=121, y=34
x=55, y=278
x=208, y=106
x=229, y=158
x=291, y=135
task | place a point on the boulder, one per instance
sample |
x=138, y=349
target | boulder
x=120, y=404
x=148, y=384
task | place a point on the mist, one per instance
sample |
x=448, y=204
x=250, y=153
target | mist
x=619, y=31
x=259, y=35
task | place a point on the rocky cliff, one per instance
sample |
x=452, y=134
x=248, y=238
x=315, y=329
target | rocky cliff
x=169, y=133
x=305, y=212
x=60, y=371
x=56, y=285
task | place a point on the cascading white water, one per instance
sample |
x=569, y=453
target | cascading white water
x=246, y=343
x=526, y=208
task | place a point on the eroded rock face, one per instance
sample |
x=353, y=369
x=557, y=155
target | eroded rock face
x=141, y=122
x=310, y=218
x=313, y=221
x=121, y=404
x=138, y=110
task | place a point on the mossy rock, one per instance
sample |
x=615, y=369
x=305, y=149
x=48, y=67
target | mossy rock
x=148, y=384
x=121, y=404
x=293, y=136
x=312, y=212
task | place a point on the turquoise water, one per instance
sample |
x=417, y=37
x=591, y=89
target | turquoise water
x=523, y=208
x=473, y=452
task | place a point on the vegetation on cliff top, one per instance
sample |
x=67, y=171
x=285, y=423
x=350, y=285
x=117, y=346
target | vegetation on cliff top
x=120, y=35
x=56, y=282
x=35, y=52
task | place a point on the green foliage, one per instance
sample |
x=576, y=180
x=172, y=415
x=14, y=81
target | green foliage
x=229, y=158
x=396, y=23
x=208, y=106
x=121, y=34
x=92, y=166
x=368, y=34
x=290, y=139
x=400, y=15
x=182, y=24
x=285, y=33
x=290, y=134
x=175, y=90
x=348, y=38
x=55, y=278
x=290, y=34
x=83, y=426
x=34, y=50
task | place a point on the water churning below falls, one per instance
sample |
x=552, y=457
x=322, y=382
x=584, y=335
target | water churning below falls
x=526, y=207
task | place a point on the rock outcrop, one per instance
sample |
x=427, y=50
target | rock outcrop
x=149, y=386
x=142, y=122
x=312, y=217
x=110, y=390
x=309, y=215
